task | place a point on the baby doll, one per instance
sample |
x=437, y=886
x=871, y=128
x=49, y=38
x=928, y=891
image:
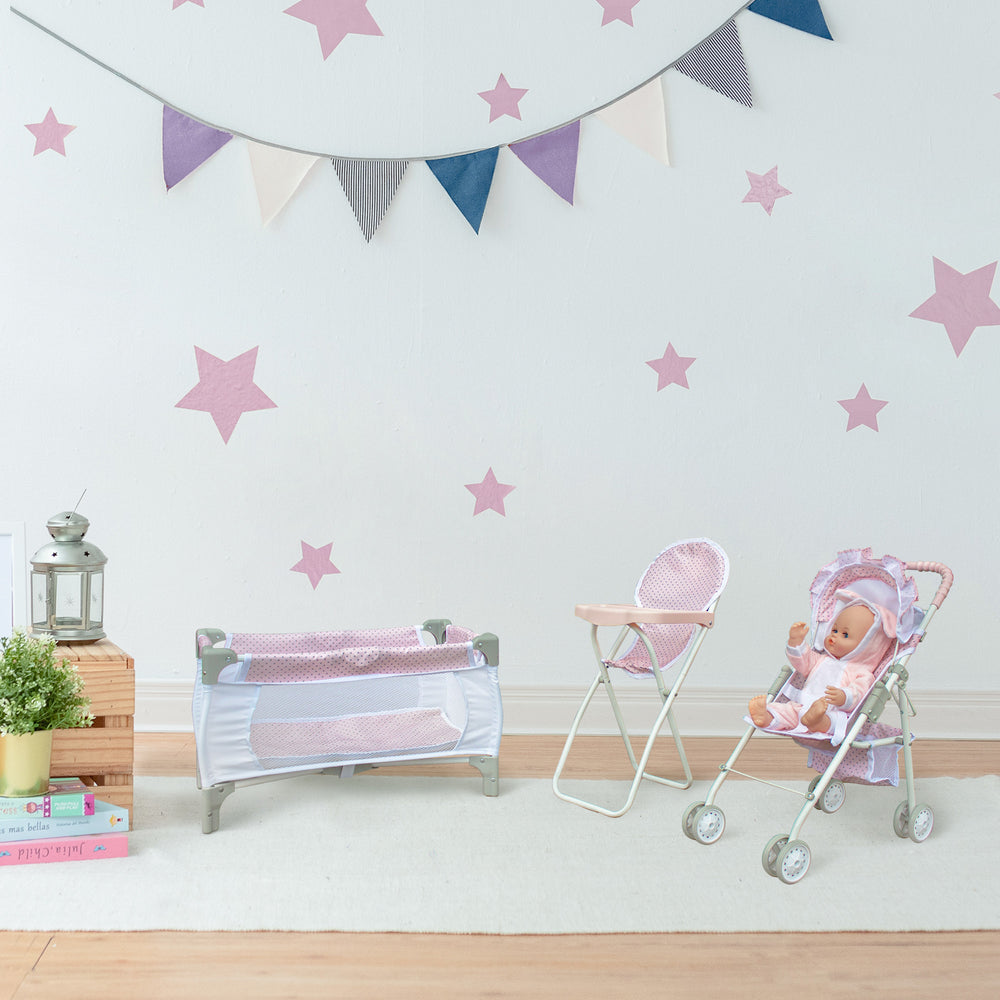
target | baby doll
x=838, y=677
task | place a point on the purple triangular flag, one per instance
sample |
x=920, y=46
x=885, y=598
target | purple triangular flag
x=187, y=144
x=718, y=63
x=552, y=157
x=370, y=186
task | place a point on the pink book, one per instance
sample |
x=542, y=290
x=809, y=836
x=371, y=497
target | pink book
x=82, y=848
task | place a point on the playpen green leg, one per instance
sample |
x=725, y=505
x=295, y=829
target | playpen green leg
x=489, y=768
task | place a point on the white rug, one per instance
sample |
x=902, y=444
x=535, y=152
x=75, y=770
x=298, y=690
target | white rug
x=433, y=854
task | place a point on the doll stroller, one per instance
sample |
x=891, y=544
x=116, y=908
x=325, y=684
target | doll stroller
x=869, y=751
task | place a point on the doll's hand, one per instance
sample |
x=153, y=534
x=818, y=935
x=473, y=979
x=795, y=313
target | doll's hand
x=834, y=696
x=797, y=633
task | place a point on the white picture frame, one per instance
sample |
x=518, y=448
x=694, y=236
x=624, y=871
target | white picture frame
x=13, y=578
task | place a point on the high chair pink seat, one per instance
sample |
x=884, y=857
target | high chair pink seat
x=674, y=608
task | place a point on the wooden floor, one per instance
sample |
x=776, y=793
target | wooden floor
x=46, y=965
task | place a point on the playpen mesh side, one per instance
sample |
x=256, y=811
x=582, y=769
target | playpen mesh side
x=298, y=723
x=688, y=576
x=321, y=642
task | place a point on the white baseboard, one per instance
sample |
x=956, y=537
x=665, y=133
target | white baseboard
x=165, y=707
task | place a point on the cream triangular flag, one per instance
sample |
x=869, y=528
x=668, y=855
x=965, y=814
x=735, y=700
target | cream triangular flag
x=277, y=173
x=641, y=117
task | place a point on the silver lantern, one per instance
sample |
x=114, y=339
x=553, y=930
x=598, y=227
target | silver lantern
x=67, y=582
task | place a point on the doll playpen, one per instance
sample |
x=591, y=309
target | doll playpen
x=269, y=706
x=869, y=751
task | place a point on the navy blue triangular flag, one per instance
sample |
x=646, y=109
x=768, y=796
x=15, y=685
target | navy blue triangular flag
x=467, y=179
x=806, y=15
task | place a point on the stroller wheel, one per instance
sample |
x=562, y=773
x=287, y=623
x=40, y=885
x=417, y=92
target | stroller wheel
x=707, y=824
x=833, y=798
x=921, y=824
x=901, y=821
x=687, y=820
x=793, y=862
x=769, y=859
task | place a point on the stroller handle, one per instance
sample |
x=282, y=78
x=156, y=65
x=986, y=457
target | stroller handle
x=947, y=577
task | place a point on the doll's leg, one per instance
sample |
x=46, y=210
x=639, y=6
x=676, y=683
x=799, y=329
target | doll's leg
x=777, y=715
x=815, y=719
x=757, y=710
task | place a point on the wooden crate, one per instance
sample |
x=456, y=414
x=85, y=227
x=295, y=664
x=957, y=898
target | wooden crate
x=103, y=754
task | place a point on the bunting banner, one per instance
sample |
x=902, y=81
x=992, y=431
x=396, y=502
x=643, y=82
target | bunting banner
x=277, y=174
x=187, y=144
x=806, y=15
x=370, y=186
x=467, y=179
x=641, y=118
x=718, y=63
x=552, y=158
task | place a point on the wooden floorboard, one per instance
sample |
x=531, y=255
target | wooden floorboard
x=169, y=964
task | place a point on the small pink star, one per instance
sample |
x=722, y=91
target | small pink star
x=489, y=494
x=503, y=99
x=961, y=302
x=765, y=189
x=617, y=10
x=671, y=368
x=862, y=409
x=226, y=390
x=177, y=3
x=335, y=20
x=49, y=134
x=315, y=563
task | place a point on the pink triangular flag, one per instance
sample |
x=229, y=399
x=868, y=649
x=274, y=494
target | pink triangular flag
x=277, y=174
x=641, y=118
x=552, y=157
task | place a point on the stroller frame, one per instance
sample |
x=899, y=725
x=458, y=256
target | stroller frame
x=786, y=857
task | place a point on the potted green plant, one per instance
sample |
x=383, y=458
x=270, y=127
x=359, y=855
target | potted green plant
x=38, y=694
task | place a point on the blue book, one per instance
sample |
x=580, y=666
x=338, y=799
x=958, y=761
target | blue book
x=106, y=818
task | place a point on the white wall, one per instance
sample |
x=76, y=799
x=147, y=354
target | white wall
x=404, y=368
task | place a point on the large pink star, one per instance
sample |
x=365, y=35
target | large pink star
x=961, y=302
x=489, y=494
x=177, y=3
x=49, y=133
x=503, y=99
x=765, y=189
x=671, y=369
x=226, y=390
x=335, y=20
x=617, y=10
x=862, y=409
x=315, y=563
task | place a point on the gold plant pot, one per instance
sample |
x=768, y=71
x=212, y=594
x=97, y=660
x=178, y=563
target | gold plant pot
x=24, y=764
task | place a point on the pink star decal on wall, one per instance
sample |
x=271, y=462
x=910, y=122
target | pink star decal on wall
x=765, y=189
x=617, y=10
x=671, y=369
x=226, y=390
x=503, y=99
x=961, y=302
x=177, y=3
x=489, y=494
x=49, y=133
x=862, y=409
x=335, y=20
x=315, y=563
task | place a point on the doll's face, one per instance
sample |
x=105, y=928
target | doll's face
x=847, y=630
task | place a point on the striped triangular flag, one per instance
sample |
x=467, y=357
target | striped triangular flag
x=806, y=15
x=187, y=144
x=467, y=179
x=642, y=118
x=370, y=186
x=277, y=174
x=718, y=63
x=552, y=157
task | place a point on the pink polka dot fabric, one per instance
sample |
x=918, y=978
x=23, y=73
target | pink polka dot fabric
x=688, y=576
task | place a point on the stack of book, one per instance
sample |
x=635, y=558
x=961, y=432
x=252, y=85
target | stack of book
x=69, y=823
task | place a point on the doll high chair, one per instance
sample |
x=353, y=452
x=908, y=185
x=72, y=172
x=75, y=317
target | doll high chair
x=869, y=751
x=674, y=608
